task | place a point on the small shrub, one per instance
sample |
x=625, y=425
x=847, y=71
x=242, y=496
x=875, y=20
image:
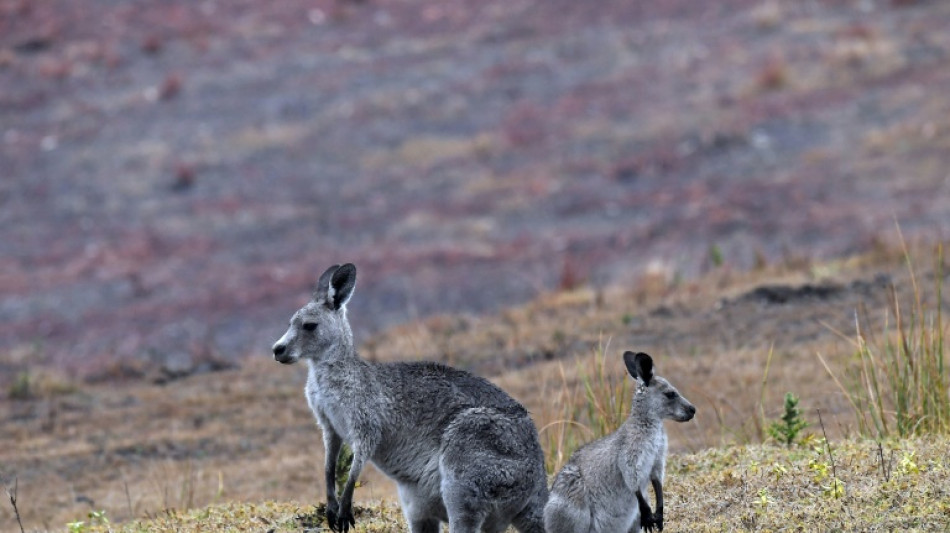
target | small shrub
x=21, y=388
x=716, y=256
x=787, y=428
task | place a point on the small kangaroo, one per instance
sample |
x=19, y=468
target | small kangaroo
x=595, y=490
x=459, y=448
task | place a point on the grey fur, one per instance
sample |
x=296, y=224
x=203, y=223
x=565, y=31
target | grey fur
x=460, y=449
x=600, y=489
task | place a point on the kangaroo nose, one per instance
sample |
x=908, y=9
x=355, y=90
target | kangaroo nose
x=279, y=349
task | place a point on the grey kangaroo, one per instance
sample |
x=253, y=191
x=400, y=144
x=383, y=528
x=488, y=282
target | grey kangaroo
x=595, y=491
x=460, y=449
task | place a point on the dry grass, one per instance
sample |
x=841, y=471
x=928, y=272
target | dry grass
x=135, y=449
x=899, y=485
x=899, y=383
x=903, y=485
x=425, y=152
x=593, y=403
x=376, y=517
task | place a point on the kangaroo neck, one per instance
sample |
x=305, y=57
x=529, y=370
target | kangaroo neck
x=641, y=414
x=338, y=359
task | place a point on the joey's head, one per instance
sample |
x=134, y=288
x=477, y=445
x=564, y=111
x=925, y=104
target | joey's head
x=321, y=325
x=655, y=393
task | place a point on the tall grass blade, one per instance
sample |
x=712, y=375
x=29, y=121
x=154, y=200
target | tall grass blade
x=899, y=385
x=594, y=406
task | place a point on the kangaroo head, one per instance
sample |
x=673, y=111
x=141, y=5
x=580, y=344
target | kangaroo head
x=661, y=399
x=320, y=325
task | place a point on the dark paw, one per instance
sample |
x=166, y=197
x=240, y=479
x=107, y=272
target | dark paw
x=646, y=523
x=646, y=516
x=651, y=522
x=341, y=520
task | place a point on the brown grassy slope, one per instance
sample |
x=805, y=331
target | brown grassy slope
x=246, y=435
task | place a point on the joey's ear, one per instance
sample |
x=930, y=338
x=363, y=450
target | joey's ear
x=639, y=365
x=342, y=283
x=323, y=286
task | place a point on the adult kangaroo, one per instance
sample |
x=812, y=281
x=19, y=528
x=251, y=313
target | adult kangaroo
x=460, y=449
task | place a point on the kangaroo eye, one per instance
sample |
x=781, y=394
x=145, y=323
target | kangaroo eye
x=309, y=326
x=670, y=394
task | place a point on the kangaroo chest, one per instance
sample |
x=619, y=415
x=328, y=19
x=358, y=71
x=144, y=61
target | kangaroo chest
x=649, y=453
x=335, y=407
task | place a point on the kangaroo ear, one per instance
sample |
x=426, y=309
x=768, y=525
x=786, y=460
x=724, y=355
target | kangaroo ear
x=640, y=366
x=323, y=286
x=342, y=283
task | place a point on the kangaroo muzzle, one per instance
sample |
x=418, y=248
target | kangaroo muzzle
x=281, y=355
x=688, y=413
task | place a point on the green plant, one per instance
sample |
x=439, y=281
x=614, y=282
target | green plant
x=779, y=471
x=716, y=256
x=908, y=464
x=835, y=490
x=763, y=499
x=787, y=428
x=96, y=518
x=900, y=384
x=343, y=463
x=21, y=388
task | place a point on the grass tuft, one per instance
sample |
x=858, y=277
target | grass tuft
x=594, y=405
x=898, y=384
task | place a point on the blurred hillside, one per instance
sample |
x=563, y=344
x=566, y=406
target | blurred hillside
x=176, y=174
